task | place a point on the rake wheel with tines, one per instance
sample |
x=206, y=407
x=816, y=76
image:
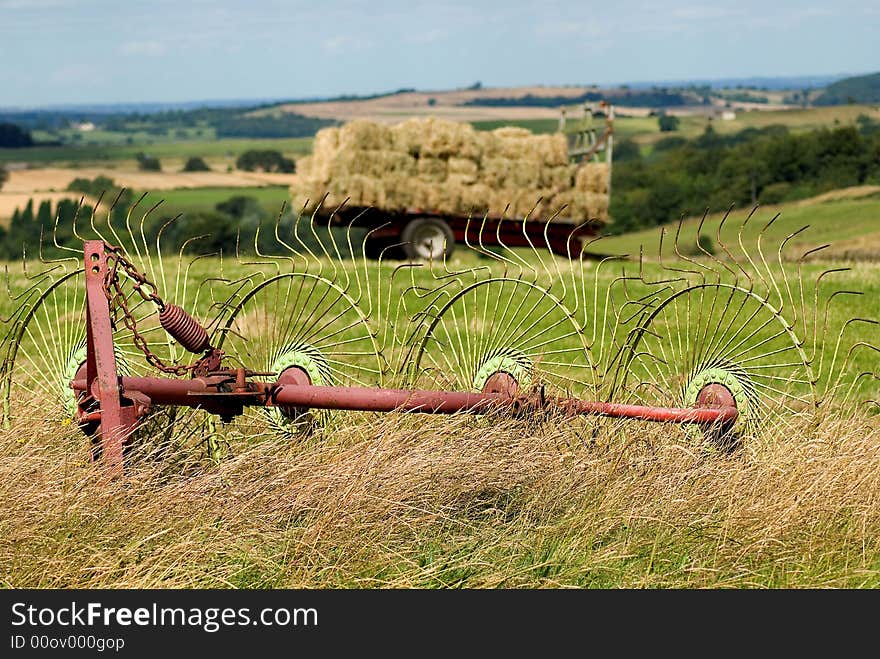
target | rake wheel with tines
x=724, y=345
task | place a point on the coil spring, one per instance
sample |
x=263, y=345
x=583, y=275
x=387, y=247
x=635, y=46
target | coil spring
x=184, y=328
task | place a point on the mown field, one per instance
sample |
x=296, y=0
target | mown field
x=421, y=501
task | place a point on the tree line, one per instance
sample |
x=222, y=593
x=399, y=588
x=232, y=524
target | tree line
x=769, y=165
x=232, y=226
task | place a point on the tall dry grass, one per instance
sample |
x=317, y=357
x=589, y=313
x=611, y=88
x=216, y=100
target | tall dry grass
x=424, y=502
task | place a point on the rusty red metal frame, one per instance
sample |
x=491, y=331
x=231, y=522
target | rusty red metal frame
x=115, y=404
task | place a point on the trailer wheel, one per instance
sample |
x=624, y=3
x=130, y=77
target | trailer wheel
x=427, y=238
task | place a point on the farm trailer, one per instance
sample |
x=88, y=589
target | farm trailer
x=424, y=234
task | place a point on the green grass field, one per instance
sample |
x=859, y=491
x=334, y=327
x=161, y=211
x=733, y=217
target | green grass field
x=424, y=501
x=840, y=221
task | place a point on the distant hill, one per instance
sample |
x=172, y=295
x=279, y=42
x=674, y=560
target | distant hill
x=859, y=89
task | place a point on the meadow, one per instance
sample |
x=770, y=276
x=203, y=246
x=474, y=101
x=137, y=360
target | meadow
x=421, y=501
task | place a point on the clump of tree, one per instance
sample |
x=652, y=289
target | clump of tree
x=285, y=124
x=147, y=163
x=3, y=176
x=195, y=164
x=31, y=233
x=668, y=123
x=267, y=161
x=14, y=137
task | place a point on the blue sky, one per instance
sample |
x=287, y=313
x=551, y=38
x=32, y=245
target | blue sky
x=99, y=51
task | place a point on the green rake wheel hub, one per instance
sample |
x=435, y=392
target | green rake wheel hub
x=736, y=383
x=507, y=360
x=308, y=358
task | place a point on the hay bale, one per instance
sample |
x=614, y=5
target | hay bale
x=463, y=167
x=447, y=167
x=525, y=173
x=475, y=200
x=511, y=133
x=326, y=143
x=495, y=172
x=596, y=206
x=532, y=203
x=444, y=199
x=361, y=134
x=592, y=177
x=450, y=138
x=433, y=170
x=558, y=178
x=552, y=150
x=513, y=143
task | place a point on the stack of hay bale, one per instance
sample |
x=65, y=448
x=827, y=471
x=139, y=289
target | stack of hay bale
x=449, y=168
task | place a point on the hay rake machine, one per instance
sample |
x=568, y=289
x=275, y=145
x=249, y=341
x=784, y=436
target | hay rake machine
x=289, y=341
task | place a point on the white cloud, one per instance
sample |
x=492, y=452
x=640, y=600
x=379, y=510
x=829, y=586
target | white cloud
x=342, y=43
x=145, y=48
x=431, y=36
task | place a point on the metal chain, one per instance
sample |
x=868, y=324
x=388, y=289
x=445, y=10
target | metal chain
x=116, y=296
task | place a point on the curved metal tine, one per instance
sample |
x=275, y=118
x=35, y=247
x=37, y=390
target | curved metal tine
x=481, y=249
x=36, y=281
x=747, y=253
x=723, y=245
x=560, y=277
x=474, y=248
x=608, y=303
x=181, y=284
x=65, y=259
x=819, y=344
x=110, y=210
x=75, y=218
x=773, y=279
x=393, y=338
x=131, y=231
x=700, y=273
x=159, y=235
x=513, y=258
x=700, y=247
x=832, y=363
x=788, y=287
x=272, y=259
x=536, y=275
x=800, y=273
x=77, y=252
x=304, y=244
x=328, y=258
x=712, y=257
x=149, y=263
x=575, y=271
x=117, y=239
x=364, y=287
x=92, y=217
x=204, y=284
x=865, y=374
x=660, y=262
x=844, y=368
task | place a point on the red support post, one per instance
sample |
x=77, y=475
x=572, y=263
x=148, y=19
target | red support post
x=101, y=374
